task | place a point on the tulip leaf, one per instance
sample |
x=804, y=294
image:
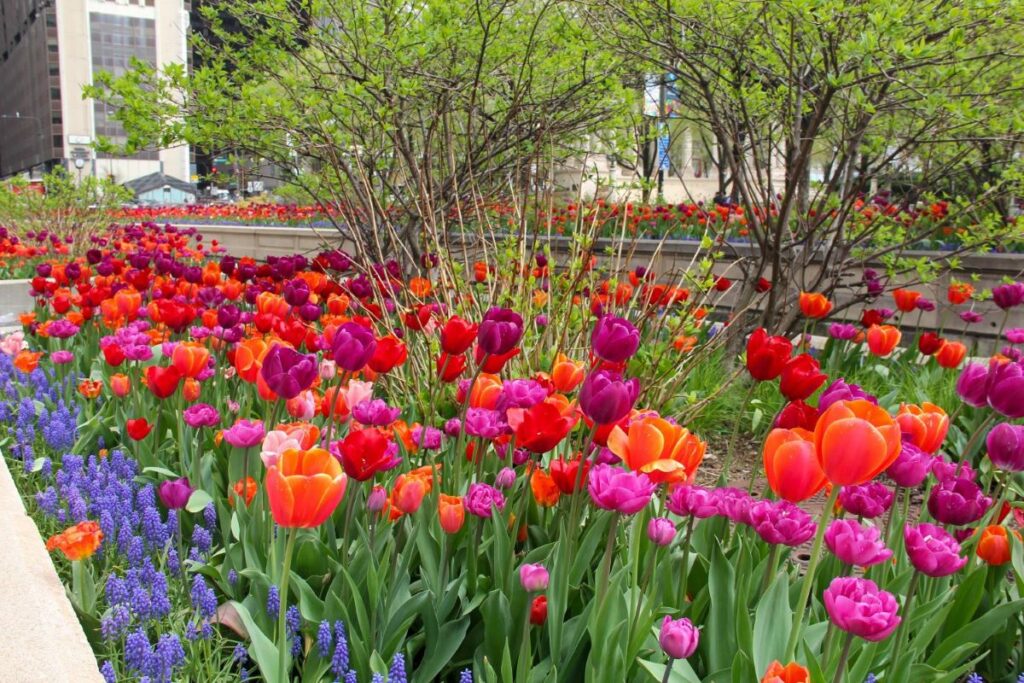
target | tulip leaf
x=978, y=631
x=497, y=622
x=162, y=471
x=198, y=501
x=968, y=596
x=261, y=649
x=682, y=672
x=721, y=630
x=773, y=621
x=441, y=651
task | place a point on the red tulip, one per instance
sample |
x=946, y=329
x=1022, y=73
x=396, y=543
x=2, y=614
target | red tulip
x=450, y=367
x=767, y=356
x=790, y=464
x=539, y=610
x=388, y=354
x=906, y=299
x=801, y=377
x=113, y=354
x=138, y=429
x=814, y=305
x=457, y=335
x=541, y=427
x=797, y=414
x=929, y=343
x=882, y=339
x=163, y=382
x=366, y=452
x=951, y=354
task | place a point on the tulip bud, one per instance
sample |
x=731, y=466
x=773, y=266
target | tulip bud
x=534, y=577
x=678, y=637
x=661, y=531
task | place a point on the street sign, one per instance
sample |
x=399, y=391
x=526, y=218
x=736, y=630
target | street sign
x=79, y=140
x=663, y=144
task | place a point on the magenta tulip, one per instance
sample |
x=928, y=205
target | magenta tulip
x=859, y=607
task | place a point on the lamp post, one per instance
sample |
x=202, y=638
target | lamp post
x=79, y=165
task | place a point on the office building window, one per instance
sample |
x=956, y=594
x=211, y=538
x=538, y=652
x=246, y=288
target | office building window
x=116, y=40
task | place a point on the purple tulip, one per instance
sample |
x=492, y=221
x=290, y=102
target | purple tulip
x=842, y=331
x=485, y=423
x=932, y=550
x=615, y=339
x=911, y=466
x=201, y=415
x=353, y=346
x=377, y=499
x=245, y=433
x=375, y=412
x=839, y=390
x=971, y=317
x=781, y=522
x=174, y=493
x=857, y=606
x=856, y=544
x=972, y=385
x=534, y=577
x=923, y=304
x=1015, y=335
x=695, y=501
x=945, y=469
x=734, y=504
x=958, y=502
x=520, y=393
x=606, y=398
x=678, y=637
x=1005, y=389
x=427, y=437
x=866, y=500
x=1005, y=444
x=661, y=531
x=499, y=331
x=296, y=292
x=482, y=499
x=505, y=478
x=452, y=427
x=1008, y=296
x=287, y=372
x=612, y=488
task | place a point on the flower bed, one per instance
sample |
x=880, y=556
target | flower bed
x=318, y=470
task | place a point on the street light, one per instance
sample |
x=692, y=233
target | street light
x=79, y=164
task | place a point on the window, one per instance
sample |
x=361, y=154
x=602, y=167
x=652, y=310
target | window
x=116, y=40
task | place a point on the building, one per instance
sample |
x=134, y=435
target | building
x=51, y=50
x=157, y=189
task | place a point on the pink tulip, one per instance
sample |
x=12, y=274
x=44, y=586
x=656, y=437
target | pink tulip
x=855, y=543
x=612, y=488
x=859, y=607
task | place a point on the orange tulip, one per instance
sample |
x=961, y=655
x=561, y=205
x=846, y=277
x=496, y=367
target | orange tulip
x=994, y=545
x=950, y=354
x=248, y=358
x=77, y=542
x=420, y=287
x=190, y=389
x=926, y=424
x=451, y=513
x=566, y=374
x=90, y=388
x=409, y=490
x=485, y=391
x=27, y=361
x=791, y=673
x=190, y=358
x=882, y=339
x=814, y=305
x=663, y=451
x=246, y=490
x=906, y=299
x=120, y=385
x=305, y=487
x=855, y=441
x=545, y=492
x=790, y=464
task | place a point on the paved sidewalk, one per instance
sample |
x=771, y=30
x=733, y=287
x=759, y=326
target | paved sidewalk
x=42, y=639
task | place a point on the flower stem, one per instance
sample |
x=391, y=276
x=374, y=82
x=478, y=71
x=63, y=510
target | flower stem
x=684, y=574
x=904, y=626
x=606, y=562
x=668, y=670
x=812, y=569
x=282, y=634
x=841, y=669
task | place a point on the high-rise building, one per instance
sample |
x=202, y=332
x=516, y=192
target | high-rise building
x=51, y=50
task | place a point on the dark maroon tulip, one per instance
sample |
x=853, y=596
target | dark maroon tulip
x=615, y=339
x=1005, y=444
x=958, y=502
x=287, y=372
x=499, y=331
x=353, y=346
x=1008, y=296
x=606, y=398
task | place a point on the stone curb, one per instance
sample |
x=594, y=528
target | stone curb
x=43, y=641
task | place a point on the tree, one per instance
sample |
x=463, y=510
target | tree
x=411, y=116
x=853, y=87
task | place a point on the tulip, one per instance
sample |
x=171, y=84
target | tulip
x=499, y=331
x=1005, y=387
x=201, y=415
x=614, y=339
x=855, y=441
x=882, y=339
x=866, y=500
x=625, y=492
x=839, y=390
x=856, y=544
x=842, y=331
x=734, y=504
x=663, y=451
x=375, y=412
x=138, y=428
x=304, y=488
x=994, y=545
x=352, y=347
x=661, y=531
x=790, y=464
x=767, y=356
x=534, y=577
x=678, y=637
x=190, y=358
x=932, y=550
x=796, y=414
x=449, y=368
x=971, y=317
x=801, y=377
x=693, y=501
x=566, y=374
x=565, y=473
x=926, y=425
x=814, y=305
x=951, y=354
x=520, y=393
x=482, y=499
x=451, y=513
x=539, y=610
x=484, y=423
x=929, y=342
x=78, y=542
x=366, y=452
x=911, y=467
x=296, y=292
x=924, y=304
x=378, y=498
x=858, y=607
x=174, y=493
x=120, y=385
x=409, y=489
x=972, y=385
x=791, y=673
x=542, y=427
x=607, y=398
x=163, y=382
x=781, y=522
x=957, y=502
x=1005, y=445
x=389, y=354
x=457, y=335
x=959, y=292
x=287, y=372
x=1008, y=296
x=906, y=299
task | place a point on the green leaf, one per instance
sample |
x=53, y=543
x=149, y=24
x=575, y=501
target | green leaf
x=721, y=628
x=773, y=621
x=198, y=501
x=440, y=652
x=262, y=649
x=682, y=672
x=978, y=631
